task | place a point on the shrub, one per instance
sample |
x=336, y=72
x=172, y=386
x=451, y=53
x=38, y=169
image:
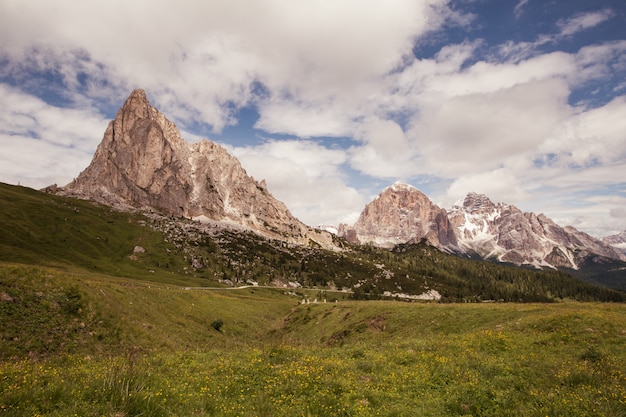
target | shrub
x=217, y=324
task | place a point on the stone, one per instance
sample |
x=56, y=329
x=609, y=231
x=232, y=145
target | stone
x=144, y=163
x=401, y=214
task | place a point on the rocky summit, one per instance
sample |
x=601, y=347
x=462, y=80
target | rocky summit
x=143, y=162
x=617, y=241
x=401, y=214
x=475, y=227
x=503, y=232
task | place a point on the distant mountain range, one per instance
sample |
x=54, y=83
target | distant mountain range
x=618, y=241
x=143, y=163
x=476, y=227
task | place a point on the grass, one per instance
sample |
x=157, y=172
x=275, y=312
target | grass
x=89, y=328
x=118, y=347
x=48, y=230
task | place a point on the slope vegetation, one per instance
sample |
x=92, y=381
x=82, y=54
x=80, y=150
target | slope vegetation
x=49, y=230
x=91, y=326
x=83, y=343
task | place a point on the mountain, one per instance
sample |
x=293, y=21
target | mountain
x=144, y=248
x=504, y=233
x=477, y=227
x=617, y=241
x=143, y=162
x=203, y=202
x=401, y=214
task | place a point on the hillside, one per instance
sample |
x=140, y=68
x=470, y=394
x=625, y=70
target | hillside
x=97, y=327
x=91, y=344
x=44, y=229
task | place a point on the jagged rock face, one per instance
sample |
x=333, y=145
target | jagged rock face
x=474, y=226
x=140, y=161
x=618, y=241
x=143, y=162
x=400, y=214
x=504, y=232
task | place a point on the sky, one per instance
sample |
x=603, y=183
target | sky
x=331, y=101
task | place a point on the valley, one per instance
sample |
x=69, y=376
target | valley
x=92, y=326
x=165, y=281
x=77, y=342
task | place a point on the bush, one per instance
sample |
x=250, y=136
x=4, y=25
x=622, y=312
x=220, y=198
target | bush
x=217, y=324
x=72, y=300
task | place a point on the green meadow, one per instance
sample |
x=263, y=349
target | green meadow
x=91, y=327
x=76, y=342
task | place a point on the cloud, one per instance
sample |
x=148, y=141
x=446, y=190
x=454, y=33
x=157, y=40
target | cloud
x=618, y=212
x=462, y=133
x=590, y=138
x=385, y=151
x=519, y=8
x=202, y=60
x=42, y=144
x=595, y=214
x=306, y=176
x=304, y=119
x=565, y=28
x=598, y=62
x=583, y=21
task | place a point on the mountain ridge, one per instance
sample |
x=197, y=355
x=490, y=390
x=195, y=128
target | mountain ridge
x=144, y=163
x=476, y=226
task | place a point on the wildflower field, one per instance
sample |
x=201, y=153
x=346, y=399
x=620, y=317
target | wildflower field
x=115, y=349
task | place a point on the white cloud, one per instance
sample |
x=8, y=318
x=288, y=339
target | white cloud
x=385, y=151
x=196, y=57
x=598, y=61
x=519, y=8
x=306, y=176
x=590, y=138
x=43, y=144
x=500, y=185
x=566, y=28
x=619, y=212
x=593, y=214
x=583, y=21
x=304, y=119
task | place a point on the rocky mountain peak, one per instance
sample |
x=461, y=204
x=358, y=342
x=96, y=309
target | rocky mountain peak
x=138, y=104
x=476, y=202
x=399, y=214
x=618, y=241
x=475, y=226
x=143, y=162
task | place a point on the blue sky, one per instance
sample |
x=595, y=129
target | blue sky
x=331, y=101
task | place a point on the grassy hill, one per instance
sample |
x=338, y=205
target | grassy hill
x=48, y=230
x=90, y=327
x=83, y=343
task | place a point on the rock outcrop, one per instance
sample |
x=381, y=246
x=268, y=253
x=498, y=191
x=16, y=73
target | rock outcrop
x=618, y=241
x=143, y=162
x=400, y=214
x=476, y=227
x=505, y=233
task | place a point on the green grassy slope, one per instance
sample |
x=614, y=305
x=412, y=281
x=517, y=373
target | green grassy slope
x=79, y=342
x=89, y=328
x=42, y=229
x=49, y=311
